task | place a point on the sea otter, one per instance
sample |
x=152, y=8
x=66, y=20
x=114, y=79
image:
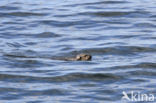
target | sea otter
x=80, y=57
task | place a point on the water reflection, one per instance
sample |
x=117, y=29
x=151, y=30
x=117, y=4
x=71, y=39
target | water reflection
x=120, y=35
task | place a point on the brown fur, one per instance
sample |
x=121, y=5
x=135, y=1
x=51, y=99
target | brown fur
x=80, y=57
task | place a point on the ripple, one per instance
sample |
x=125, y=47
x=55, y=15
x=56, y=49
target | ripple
x=15, y=44
x=47, y=35
x=120, y=50
x=150, y=74
x=105, y=14
x=9, y=8
x=45, y=92
x=120, y=35
x=58, y=23
x=21, y=14
x=143, y=65
x=114, y=14
x=96, y=3
x=145, y=25
x=30, y=53
x=64, y=78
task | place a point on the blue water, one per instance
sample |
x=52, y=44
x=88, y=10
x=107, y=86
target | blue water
x=119, y=34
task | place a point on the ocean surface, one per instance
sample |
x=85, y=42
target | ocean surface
x=119, y=34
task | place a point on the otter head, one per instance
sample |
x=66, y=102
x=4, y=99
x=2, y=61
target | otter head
x=83, y=57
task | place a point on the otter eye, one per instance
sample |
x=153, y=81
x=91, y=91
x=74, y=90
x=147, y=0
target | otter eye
x=86, y=56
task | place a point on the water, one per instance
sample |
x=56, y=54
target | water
x=119, y=34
